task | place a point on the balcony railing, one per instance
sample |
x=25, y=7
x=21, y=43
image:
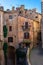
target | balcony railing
x=25, y=28
x=27, y=42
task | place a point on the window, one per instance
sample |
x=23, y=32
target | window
x=10, y=17
x=10, y=39
x=20, y=12
x=10, y=28
x=30, y=12
x=36, y=16
x=26, y=25
x=26, y=35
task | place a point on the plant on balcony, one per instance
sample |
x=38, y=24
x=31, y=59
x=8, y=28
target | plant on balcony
x=5, y=31
x=27, y=42
x=25, y=28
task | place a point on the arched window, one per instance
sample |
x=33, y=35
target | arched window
x=26, y=35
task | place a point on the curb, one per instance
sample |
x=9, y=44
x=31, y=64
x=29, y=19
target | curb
x=29, y=56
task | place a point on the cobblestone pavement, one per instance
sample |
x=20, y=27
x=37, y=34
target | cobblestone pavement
x=36, y=56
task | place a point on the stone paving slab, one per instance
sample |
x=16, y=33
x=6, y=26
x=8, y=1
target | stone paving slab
x=36, y=56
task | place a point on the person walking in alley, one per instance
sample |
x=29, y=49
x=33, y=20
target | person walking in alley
x=21, y=53
x=18, y=55
x=24, y=51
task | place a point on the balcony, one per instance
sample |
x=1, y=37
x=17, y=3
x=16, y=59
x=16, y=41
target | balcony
x=27, y=42
x=25, y=28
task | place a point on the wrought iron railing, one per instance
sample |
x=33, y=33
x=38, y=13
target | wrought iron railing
x=25, y=27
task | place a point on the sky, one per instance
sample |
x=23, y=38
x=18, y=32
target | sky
x=29, y=4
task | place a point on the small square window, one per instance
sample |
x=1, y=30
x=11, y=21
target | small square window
x=30, y=12
x=36, y=16
x=10, y=39
x=10, y=17
x=26, y=35
x=10, y=28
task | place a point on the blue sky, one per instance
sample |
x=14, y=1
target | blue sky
x=29, y=4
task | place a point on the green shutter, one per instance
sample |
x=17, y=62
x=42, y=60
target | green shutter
x=5, y=31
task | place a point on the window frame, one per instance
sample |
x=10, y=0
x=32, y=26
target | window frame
x=26, y=35
x=10, y=28
x=10, y=39
x=26, y=25
x=10, y=17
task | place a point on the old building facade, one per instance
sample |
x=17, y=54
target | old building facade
x=22, y=25
x=42, y=21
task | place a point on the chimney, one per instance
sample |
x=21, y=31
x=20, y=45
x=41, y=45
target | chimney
x=1, y=8
x=13, y=8
x=8, y=10
x=34, y=10
x=22, y=6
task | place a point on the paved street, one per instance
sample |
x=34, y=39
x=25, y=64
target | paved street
x=36, y=56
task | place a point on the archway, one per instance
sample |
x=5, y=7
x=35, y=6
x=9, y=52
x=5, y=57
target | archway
x=11, y=55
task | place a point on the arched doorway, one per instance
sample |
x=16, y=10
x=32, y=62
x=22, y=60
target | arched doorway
x=11, y=55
